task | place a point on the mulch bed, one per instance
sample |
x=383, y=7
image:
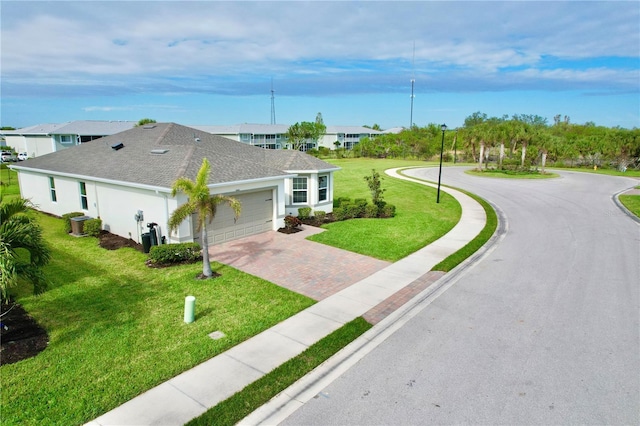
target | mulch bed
x=111, y=241
x=21, y=336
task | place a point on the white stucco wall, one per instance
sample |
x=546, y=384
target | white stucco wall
x=312, y=194
x=117, y=205
x=33, y=145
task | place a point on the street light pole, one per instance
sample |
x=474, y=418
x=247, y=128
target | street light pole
x=455, y=147
x=444, y=128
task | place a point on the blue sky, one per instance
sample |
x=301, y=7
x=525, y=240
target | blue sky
x=206, y=62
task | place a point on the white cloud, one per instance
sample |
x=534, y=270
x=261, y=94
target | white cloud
x=178, y=44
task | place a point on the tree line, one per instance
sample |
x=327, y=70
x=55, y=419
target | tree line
x=520, y=141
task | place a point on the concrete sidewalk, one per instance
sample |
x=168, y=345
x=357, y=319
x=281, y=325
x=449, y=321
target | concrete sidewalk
x=193, y=392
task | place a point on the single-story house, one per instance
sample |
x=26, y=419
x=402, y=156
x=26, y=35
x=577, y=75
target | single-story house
x=125, y=179
x=43, y=139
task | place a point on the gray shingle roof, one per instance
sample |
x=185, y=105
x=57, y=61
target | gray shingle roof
x=185, y=147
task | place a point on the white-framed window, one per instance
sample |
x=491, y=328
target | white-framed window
x=300, y=190
x=52, y=189
x=323, y=187
x=65, y=139
x=84, y=202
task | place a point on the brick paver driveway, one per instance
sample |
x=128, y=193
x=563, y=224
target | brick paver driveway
x=290, y=261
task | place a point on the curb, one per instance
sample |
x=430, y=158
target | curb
x=616, y=200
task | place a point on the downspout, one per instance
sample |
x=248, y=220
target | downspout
x=97, y=202
x=166, y=216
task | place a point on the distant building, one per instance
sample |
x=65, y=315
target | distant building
x=273, y=136
x=43, y=139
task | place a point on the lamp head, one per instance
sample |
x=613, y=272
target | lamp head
x=443, y=127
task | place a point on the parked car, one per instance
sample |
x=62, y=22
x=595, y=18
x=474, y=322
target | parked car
x=7, y=156
x=22, y=156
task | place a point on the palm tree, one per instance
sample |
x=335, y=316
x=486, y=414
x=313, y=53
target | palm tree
x=200, y=202
x=23, y=252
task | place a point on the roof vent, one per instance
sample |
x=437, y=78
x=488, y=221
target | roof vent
x=117, y=146
x=159, y=151
x=149, y=126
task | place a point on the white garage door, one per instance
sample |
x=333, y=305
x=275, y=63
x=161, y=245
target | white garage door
x=256, y=217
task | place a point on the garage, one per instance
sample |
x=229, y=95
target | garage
x=256, y=217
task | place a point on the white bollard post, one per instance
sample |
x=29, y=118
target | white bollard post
x=189, y=309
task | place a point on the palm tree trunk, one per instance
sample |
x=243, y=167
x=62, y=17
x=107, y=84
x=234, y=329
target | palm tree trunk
x=206, y=264
x=501, y=155
x=524, y=154
x=481, y=156
x=544, y=160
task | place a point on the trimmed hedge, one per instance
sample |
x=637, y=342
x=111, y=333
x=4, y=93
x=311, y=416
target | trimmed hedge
x=93, y=227
x=67, y=220
x=167, y=254
x=319, y=215
x=304, y=213
x=345, y=208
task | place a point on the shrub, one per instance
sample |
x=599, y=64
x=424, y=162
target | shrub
x=93, y=227
x=340, y=213
x=291, y=222
x=337, y=202
x=389, y=210
x=319, y=215
x=167, y=254
x=304, y=213
x=354, y=210
x=67, y=220
x=371, y=211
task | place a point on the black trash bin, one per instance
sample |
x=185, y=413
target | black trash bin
x=146, y=242
x=154, y=236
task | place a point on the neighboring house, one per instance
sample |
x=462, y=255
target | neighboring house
x=348, y=136
x=43, y=139
x=273, y=136
x=132, y=172
x=270, y=136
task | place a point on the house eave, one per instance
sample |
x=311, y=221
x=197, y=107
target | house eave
x=250, y=181
x=307, y=171
x=144, y=186
x=94, y=179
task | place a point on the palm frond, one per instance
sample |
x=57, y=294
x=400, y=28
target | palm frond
x=180, y=214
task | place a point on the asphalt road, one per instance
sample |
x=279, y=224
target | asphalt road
x=542, y=330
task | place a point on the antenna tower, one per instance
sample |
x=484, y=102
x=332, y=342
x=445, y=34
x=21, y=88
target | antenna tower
x=273, y=104
x=413, y=80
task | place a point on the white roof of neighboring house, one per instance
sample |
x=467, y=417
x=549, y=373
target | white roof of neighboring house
x=80, y=127
x=245, y=128
x=394, y=130
x=38, y=129
x=351, y=130
x=94, y=127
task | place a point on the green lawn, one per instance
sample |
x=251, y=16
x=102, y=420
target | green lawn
x=507, y=174
x=632, y=203
x=601, y=171
x=8, y=182
x=116, y=328
x=419, y=219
